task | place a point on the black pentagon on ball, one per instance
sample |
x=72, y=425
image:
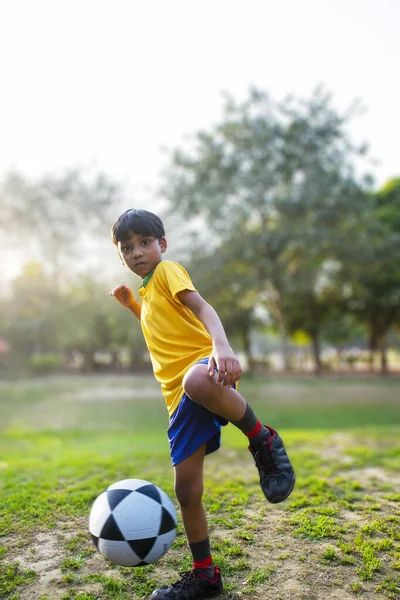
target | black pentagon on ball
x=114, y=497
x=142, y=547
x=151, y=491
x=167, y=522
x=111, y=531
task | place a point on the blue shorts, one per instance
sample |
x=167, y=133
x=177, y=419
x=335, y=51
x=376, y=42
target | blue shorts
x=191, y=426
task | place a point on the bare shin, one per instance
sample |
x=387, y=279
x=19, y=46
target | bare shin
x=189, y=492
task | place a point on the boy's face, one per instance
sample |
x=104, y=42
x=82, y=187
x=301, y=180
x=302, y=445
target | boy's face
x=142, y=253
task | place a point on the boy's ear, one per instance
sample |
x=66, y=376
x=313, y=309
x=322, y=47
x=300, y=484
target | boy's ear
x=163, y=244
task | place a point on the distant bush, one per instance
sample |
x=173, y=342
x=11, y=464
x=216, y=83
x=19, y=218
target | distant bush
x=41, y=364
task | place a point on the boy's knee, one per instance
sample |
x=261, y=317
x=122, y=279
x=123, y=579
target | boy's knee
x=195, y=380
x=188, y=492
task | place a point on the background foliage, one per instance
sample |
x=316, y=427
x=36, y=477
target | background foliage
x=284, y=234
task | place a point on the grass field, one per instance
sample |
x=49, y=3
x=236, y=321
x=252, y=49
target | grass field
x=63, y=440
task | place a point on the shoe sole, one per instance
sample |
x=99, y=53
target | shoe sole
x=282, y=498
x=211, y=594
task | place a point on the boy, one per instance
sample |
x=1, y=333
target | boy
x=197, y=370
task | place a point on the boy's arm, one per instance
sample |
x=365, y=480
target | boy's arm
x=124, y=295
x=229, y=369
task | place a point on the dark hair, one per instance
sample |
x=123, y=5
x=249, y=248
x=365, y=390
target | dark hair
x=141, y=222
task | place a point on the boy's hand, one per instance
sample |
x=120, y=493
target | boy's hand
x=229, y=369
x=124, y=295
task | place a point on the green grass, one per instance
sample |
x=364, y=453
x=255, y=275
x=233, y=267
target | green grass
x=115, y=404
x=65, y=439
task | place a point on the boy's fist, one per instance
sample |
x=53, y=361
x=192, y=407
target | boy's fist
x=124, y=295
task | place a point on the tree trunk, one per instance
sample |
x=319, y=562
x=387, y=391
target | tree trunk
x=114, y=361
x=316, y=353
x=371, y=360
x=273, y=297
x=133, y=360
x=384, y=361
x=284, y=346
x=338, y=359
x=371, y=352
x=246, y=341
x=88, y=361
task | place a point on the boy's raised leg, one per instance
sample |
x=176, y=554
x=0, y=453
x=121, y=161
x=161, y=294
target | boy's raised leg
x=277, y=477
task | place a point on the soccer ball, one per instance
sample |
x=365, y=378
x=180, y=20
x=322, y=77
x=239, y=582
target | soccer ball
x=133, y=523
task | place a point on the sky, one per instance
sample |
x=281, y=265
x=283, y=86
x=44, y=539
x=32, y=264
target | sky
x=106, y=84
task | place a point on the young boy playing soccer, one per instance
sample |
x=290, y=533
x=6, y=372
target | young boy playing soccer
x=197, y=370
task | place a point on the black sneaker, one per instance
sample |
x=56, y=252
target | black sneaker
x=277, y=476
x=192, y=584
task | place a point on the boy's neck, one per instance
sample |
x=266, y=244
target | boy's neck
x=146, y=279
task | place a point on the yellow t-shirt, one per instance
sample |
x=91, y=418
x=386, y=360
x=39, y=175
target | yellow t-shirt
x=175, y=337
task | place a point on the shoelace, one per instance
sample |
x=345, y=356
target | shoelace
x=264, y=460
x=186, y=577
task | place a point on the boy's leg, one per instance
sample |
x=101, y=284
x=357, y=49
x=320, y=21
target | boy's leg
x=203, y=580
x=277, y=476
x=189, y=492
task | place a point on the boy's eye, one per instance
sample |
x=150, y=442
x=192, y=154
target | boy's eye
x=145, y=242
x=126, y=248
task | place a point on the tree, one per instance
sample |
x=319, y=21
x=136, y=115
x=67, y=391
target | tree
x=277, y=179
x=227, y=282
x=80, y=317
x=50, y=219
x=373, y=276
x=93, y=322
x=31, y=324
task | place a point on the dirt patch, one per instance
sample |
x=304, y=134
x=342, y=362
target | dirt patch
x=370, y=475
x=41, y=554
x=43, y=557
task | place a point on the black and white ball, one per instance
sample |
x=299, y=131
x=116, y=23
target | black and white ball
x=133, y=523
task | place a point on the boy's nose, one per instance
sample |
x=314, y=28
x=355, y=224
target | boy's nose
x=137, y=252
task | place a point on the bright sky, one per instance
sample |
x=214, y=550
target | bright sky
x=105, y=84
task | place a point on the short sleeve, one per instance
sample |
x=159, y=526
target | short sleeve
x=174, y=278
